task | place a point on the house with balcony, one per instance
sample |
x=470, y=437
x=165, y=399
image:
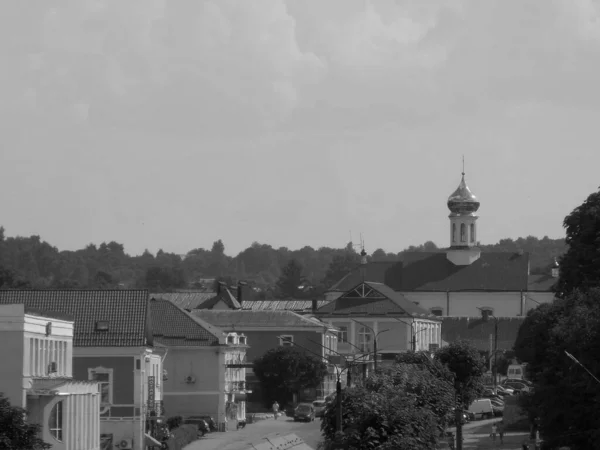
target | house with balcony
x=204, y=372
x=266, y=330
x=374, y=321
x=37, y=349
x=112, y=346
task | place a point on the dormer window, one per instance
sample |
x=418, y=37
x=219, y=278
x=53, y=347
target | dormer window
x=242, y=340
x=102, y=325
x=231, y=339
x=437, y=311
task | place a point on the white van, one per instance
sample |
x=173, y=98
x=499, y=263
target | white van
x=515, y=372
x=482, y=408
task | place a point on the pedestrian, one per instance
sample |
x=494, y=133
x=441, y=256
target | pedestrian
x=275, y=409
x=501, y=431
x=493, y=433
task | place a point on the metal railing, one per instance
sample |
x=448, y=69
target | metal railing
x=235, y=386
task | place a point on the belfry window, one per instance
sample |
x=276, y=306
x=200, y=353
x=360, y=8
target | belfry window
x=463, y=232
x=472, y=232
x=453, y=232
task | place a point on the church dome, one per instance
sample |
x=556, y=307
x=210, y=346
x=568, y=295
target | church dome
x=462, y=200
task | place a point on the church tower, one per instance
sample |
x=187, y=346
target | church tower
x=463, y=225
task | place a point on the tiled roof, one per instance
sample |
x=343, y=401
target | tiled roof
x=126, y=312
x=432, y=271
x=454, y=328
x=376, y=299
x=225, y=296
x=230, y=320
x=172, y=326
x=541, y=282
x=185, y=300
x=300, y=306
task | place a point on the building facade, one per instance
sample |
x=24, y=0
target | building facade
x=203, y=366
x=112, y=347
x=37, y=349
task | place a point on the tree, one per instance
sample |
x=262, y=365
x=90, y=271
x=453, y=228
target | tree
x=15, y=433
x=465, y=363
x=580, y=265
x=403, y=406
x=291, y=279
x=283, y=371
x=564, y=396
x=340, y=266
x=10, y=280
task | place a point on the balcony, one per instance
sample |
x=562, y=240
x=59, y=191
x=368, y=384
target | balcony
x=234, y=387
x=239, y=363
x=155, y=409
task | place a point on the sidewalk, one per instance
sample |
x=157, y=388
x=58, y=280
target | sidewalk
x=479, y=438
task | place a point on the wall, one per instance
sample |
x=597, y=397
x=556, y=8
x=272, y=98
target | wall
x=123, y=381
x=200, y=397
x=11, y=374
x=396, y=339
x=262, y=341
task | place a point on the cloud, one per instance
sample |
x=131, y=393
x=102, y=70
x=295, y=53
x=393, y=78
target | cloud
x=222, y=65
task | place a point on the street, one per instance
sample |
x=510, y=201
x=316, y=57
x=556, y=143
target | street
x=254, y=433
x=477, y=436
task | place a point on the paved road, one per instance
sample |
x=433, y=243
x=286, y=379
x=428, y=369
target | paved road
x=255, y=432
x=478, y=437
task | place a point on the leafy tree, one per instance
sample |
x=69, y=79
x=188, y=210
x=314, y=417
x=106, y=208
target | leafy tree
x=565, y=394
x=291, y=279
x=284, y=371
x=580, y=265
x=15, y=433
x=10, y=280
x=464, y=361
x=162, y=279
x=340, y=266
x=403, y=406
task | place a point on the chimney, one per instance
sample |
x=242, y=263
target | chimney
x=363, y=264
x=314, y=305
x=240, y=291
x=221, y=287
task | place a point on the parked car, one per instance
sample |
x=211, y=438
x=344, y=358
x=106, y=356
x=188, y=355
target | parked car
x=305, y=412
x=203, y=427
x=516, y=386
x=504, y=391
x=319, y=406
x=482, y=408
x=212, y=425
x=498, y=407
x=465, y=417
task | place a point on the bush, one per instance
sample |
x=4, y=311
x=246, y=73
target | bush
x=174, y=422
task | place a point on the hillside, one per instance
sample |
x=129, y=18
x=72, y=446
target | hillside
x=31, y=262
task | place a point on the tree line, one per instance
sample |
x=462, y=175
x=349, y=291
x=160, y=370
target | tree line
x=273, y=272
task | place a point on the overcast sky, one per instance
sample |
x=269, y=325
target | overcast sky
x=170, y=124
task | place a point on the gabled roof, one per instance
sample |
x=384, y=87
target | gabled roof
x=374, y=299
x=172, y=326
x=454, y=328
x=432, y=271
x=185, y=300
x=230, y=320
x=225, y=296
x=542, y=283
x=299, y=306
x=126, y=312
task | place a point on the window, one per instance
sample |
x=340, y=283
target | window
x=286, y=340
x=364, y=339
x=104, y=377
x=55, y=421
x=327, y=345
x=437, y=311
x=102, y=325
x=463, y=232
x=453, y=232
x=343, y=334
x=472, y=232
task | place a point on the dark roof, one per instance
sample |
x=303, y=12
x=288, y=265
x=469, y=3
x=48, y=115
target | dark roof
x=299, y=306
x=541, y=282
x=171, y=325
x=230, y=320
x=225, y=296
x=374, y=298
x=126, y=312
x=454, y=328
x=432, y=271
x=185, y=300
x=50, y=314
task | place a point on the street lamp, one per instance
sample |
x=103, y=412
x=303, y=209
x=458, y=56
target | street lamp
x=375, y=335
x=414, y=333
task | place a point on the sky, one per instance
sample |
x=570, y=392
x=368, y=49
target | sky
x=171, y=124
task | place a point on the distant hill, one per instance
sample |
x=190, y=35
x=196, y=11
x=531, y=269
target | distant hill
x=29, y=261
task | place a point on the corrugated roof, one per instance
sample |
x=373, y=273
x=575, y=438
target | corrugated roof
x=376, y=299
x=225, y=296
x=172, y=326
x=454, y=328
x=300, y=306
x=185, y=300
x=432, y=271
x=126, y=312
x=228, y=319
